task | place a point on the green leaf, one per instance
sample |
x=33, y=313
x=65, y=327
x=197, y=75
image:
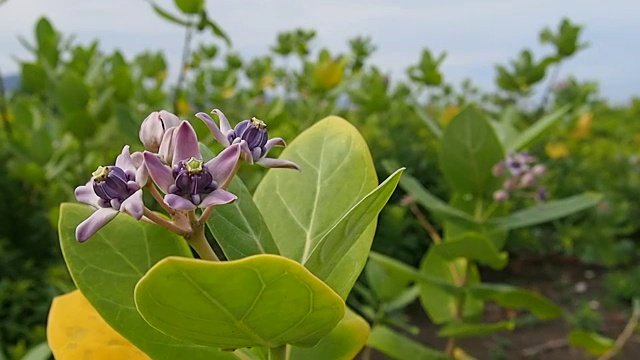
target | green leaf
x=301, y=208
x=343, y=343
x=469, y=150
x=47, y=40
x=405, y=273
x=431, y=124
x=475, y=247
x=535, y=131
x=399, y=346
x=441, y=305
x=461, y=330
x=107, y=267
x=430, y=201
x=262, y=300
x=592, y=342
x=514, y=298
x=239, y=227
x=332, y=248
x=382, y=282
x=38, y=352
x=217, y=30
x=33, y=78
x=190, y=7
x=548, y=211
x=167, y=16
x=73, y=93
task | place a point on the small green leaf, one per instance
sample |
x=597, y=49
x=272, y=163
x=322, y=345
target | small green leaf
x=34, y=78
x=592, y=342
x=301, y=208
x=548, y=211
x=73, y=93
x=441, y=305
x=514, y=298
x=431, y=124
x=262, y=300
x=167, y=16
x=469, y=150
x=461, y=330
x=239, y=227
x=343, y=343
x=190, y=7
x=533, y=132
x=399, y=346
x=38, y=352
x=107, y=267
x=475, y=247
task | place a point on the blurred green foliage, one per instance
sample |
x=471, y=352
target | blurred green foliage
x=75, y=100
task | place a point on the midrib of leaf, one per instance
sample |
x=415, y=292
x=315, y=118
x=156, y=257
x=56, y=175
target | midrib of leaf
x=307, y=244
x=473, y=155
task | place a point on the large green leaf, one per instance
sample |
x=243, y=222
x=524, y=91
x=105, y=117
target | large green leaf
x=441, y=305
x=239, y=227
x=473, y=246
x=261, y=300
x=301, y=208
x=400, y=347
x=107, y=267
x=513, y=297
x=343, y=343
x=548, y=211
x=469, y=150
x=333, y=246
x=533, y=132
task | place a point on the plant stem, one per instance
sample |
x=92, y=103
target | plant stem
x=625, y=335
x=186, y=46
x=199, y=243
x=278, y=353
x=164, y=222
x=156, y=195
x=459, y=311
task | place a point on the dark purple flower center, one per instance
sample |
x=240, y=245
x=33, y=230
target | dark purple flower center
x=113, y=185
x=253, y=131
x=192, y=180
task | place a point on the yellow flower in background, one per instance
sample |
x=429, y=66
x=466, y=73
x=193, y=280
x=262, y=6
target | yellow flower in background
x=183, y=107
x=448, y=114
x=556, y=150
x=162, y=76
x=329, y=73
x=266, y=82
x=583, y=126
x=228, y=92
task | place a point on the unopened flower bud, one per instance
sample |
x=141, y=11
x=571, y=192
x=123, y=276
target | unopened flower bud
x=541, y=194
x=498, y=169
x=539, y=170
x=527, y=179
x=154, y=126
x=500, y=196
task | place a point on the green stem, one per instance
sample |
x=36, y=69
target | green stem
x=164, y=222
x=200, y=244
x=278, y=353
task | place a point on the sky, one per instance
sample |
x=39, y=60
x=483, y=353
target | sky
x=475, y=34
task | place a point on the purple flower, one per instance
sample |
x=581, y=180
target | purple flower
x=518, y=163
x=501, y=195
x=154, y=127
x=189, y=182
x=251, y=135
x=112, y=189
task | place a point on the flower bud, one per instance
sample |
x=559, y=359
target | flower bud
x=154, y=126
x=500, y=196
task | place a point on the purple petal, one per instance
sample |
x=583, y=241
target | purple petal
x=85, y=194
x=142, y=175
x=246, y=152
x=94, y=223
x=220, y=137
x=124, y=161
x=217, y=197
x=133, y=205
x=159, y=172
x=224, y=123
x=273, y=142
x=277, y=163
x=177, y=202
x=186, y=143
x=166, y=146
x=223, y=166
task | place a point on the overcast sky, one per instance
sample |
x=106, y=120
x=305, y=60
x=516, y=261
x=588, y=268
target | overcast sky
x=476, y=34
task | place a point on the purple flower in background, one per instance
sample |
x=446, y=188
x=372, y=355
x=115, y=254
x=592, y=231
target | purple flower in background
x=521, y=173
x=189, y=182
x=112, y=189
x=252, y=136
x=519, y=163
x=155, y=126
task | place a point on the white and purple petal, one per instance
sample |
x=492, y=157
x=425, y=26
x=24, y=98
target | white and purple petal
x=85, y=194
x=133, y=205
x=217, y=134
x=277, y=163
x=186, y=143
x=223, y=166
x=225, y=127
x=159, y=172
x=178, y=202
x=94, y=223
x=217, y=197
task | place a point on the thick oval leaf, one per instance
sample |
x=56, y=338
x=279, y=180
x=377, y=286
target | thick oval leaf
x=75, y=330
x=440, y=305
x=548, y=211
x=300, y=208
x=343, y=343
x=107, y=267
x=469, y=150
x=333, y=246
x=239, y=227
x=473, y=246
x=262, y=300
x=592, y=342
x=398, y=346
x=513, y=297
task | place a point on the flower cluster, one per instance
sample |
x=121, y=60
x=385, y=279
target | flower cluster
x=172, y=160
x=522, y=175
